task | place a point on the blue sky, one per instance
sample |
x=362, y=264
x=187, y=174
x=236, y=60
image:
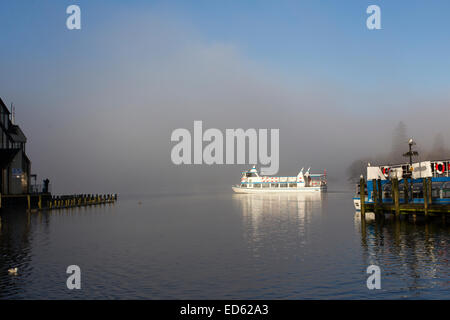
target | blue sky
x=325, y=38
x=330, y=38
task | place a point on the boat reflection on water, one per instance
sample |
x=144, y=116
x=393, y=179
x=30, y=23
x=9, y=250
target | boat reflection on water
x=279, y=203
x=411, y=254
x=270, y=219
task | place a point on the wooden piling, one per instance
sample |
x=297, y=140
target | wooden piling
x=362, y=197
x=405, y=191
x=425, y=196
x=29, y=201
x=375, y=195
x=380, y=193
x=430, y=190
x=396, y=196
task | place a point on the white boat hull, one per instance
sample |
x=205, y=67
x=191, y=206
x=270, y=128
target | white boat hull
x=278, y=190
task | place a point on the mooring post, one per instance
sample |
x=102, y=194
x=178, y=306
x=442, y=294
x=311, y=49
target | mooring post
x=29, y=201
x=425, y=196
x=375, y=195
x=430, y=191
x=406, y=190
x=40, y=202
x=396, y=196
x=362, y=196
x=380, y=192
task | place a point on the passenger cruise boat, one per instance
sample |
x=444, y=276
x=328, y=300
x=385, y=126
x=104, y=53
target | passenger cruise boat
x=253, y=182
x=438, y=171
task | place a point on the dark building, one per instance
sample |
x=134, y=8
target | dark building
x=15, y=166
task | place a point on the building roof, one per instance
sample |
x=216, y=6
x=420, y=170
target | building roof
x=17, y=134
x=6, y=156
x=3, y=106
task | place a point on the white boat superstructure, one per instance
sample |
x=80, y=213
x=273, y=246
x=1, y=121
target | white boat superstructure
x=253, y=182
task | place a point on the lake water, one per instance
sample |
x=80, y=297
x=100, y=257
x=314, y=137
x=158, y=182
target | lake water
x=222, y=246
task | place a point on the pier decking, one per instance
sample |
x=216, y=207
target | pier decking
x=400, y=200
x=46, y=201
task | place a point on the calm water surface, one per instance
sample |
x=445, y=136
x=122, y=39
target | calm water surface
x=216, y=246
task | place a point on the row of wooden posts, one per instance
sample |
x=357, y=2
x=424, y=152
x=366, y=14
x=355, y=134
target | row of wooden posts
x=379, y=207
x=57, y=202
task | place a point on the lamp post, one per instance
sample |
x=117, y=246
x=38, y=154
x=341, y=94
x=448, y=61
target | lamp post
x=410, y=154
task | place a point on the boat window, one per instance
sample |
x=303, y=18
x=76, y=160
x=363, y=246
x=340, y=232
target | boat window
x=436, y=193
x=257, y=185
x=250, y=175
x=446, y=190
x=243, y=185
x=437, y=184
x=436, y=190
x=417, y=189
x=274, y=185
x=292, y=185
x=266, y=185
x=283, y=185
x=386, y=191
x=446, y=193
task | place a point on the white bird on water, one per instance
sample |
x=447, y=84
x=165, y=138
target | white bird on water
x=12, y=271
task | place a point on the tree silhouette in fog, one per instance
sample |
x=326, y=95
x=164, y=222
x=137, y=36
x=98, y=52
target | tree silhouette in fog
x=399, y=141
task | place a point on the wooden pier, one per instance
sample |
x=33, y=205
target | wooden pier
x=46, y=201
x=398, y=207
